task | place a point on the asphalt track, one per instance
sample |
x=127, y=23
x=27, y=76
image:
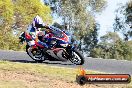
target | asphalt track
x=103, y=65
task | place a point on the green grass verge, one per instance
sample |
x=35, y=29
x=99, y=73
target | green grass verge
x=54, y=72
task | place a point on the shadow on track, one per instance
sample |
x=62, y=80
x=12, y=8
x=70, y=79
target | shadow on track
x=45, y=62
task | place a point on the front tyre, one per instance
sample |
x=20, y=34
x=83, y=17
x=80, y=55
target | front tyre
x=77, y=57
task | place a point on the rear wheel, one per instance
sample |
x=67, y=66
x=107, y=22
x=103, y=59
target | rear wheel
x=77, y=57
x=35, y=54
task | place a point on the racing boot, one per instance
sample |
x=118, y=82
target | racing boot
x=45, y=53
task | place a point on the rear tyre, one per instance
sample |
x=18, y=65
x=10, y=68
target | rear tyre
x=35, y=54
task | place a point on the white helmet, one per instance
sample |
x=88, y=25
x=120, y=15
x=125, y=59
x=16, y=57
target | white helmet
x=38, y=20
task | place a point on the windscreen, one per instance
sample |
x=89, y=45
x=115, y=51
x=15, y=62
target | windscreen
x=57, y=32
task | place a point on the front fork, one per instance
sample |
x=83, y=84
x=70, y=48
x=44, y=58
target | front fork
x=70, y=50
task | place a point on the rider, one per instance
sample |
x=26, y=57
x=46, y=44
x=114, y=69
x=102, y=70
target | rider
x=34, y=29
x=35, y=26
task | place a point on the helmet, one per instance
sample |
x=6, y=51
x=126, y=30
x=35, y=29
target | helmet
x=38, y=20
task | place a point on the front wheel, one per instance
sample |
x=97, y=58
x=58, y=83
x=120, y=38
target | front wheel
x=77, y=58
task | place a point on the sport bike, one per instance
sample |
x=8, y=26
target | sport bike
x=61, y=48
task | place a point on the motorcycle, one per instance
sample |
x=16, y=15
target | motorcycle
x=60, y=49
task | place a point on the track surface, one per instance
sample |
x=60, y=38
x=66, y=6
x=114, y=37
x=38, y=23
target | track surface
x=103, y=65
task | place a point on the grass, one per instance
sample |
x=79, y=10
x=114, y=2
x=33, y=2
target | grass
x=52, y=71
x=37, y=70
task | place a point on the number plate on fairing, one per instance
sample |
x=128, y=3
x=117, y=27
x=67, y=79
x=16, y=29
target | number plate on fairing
x=30, y=43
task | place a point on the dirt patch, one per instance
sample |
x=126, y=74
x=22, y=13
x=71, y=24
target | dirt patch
x=29, y=80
